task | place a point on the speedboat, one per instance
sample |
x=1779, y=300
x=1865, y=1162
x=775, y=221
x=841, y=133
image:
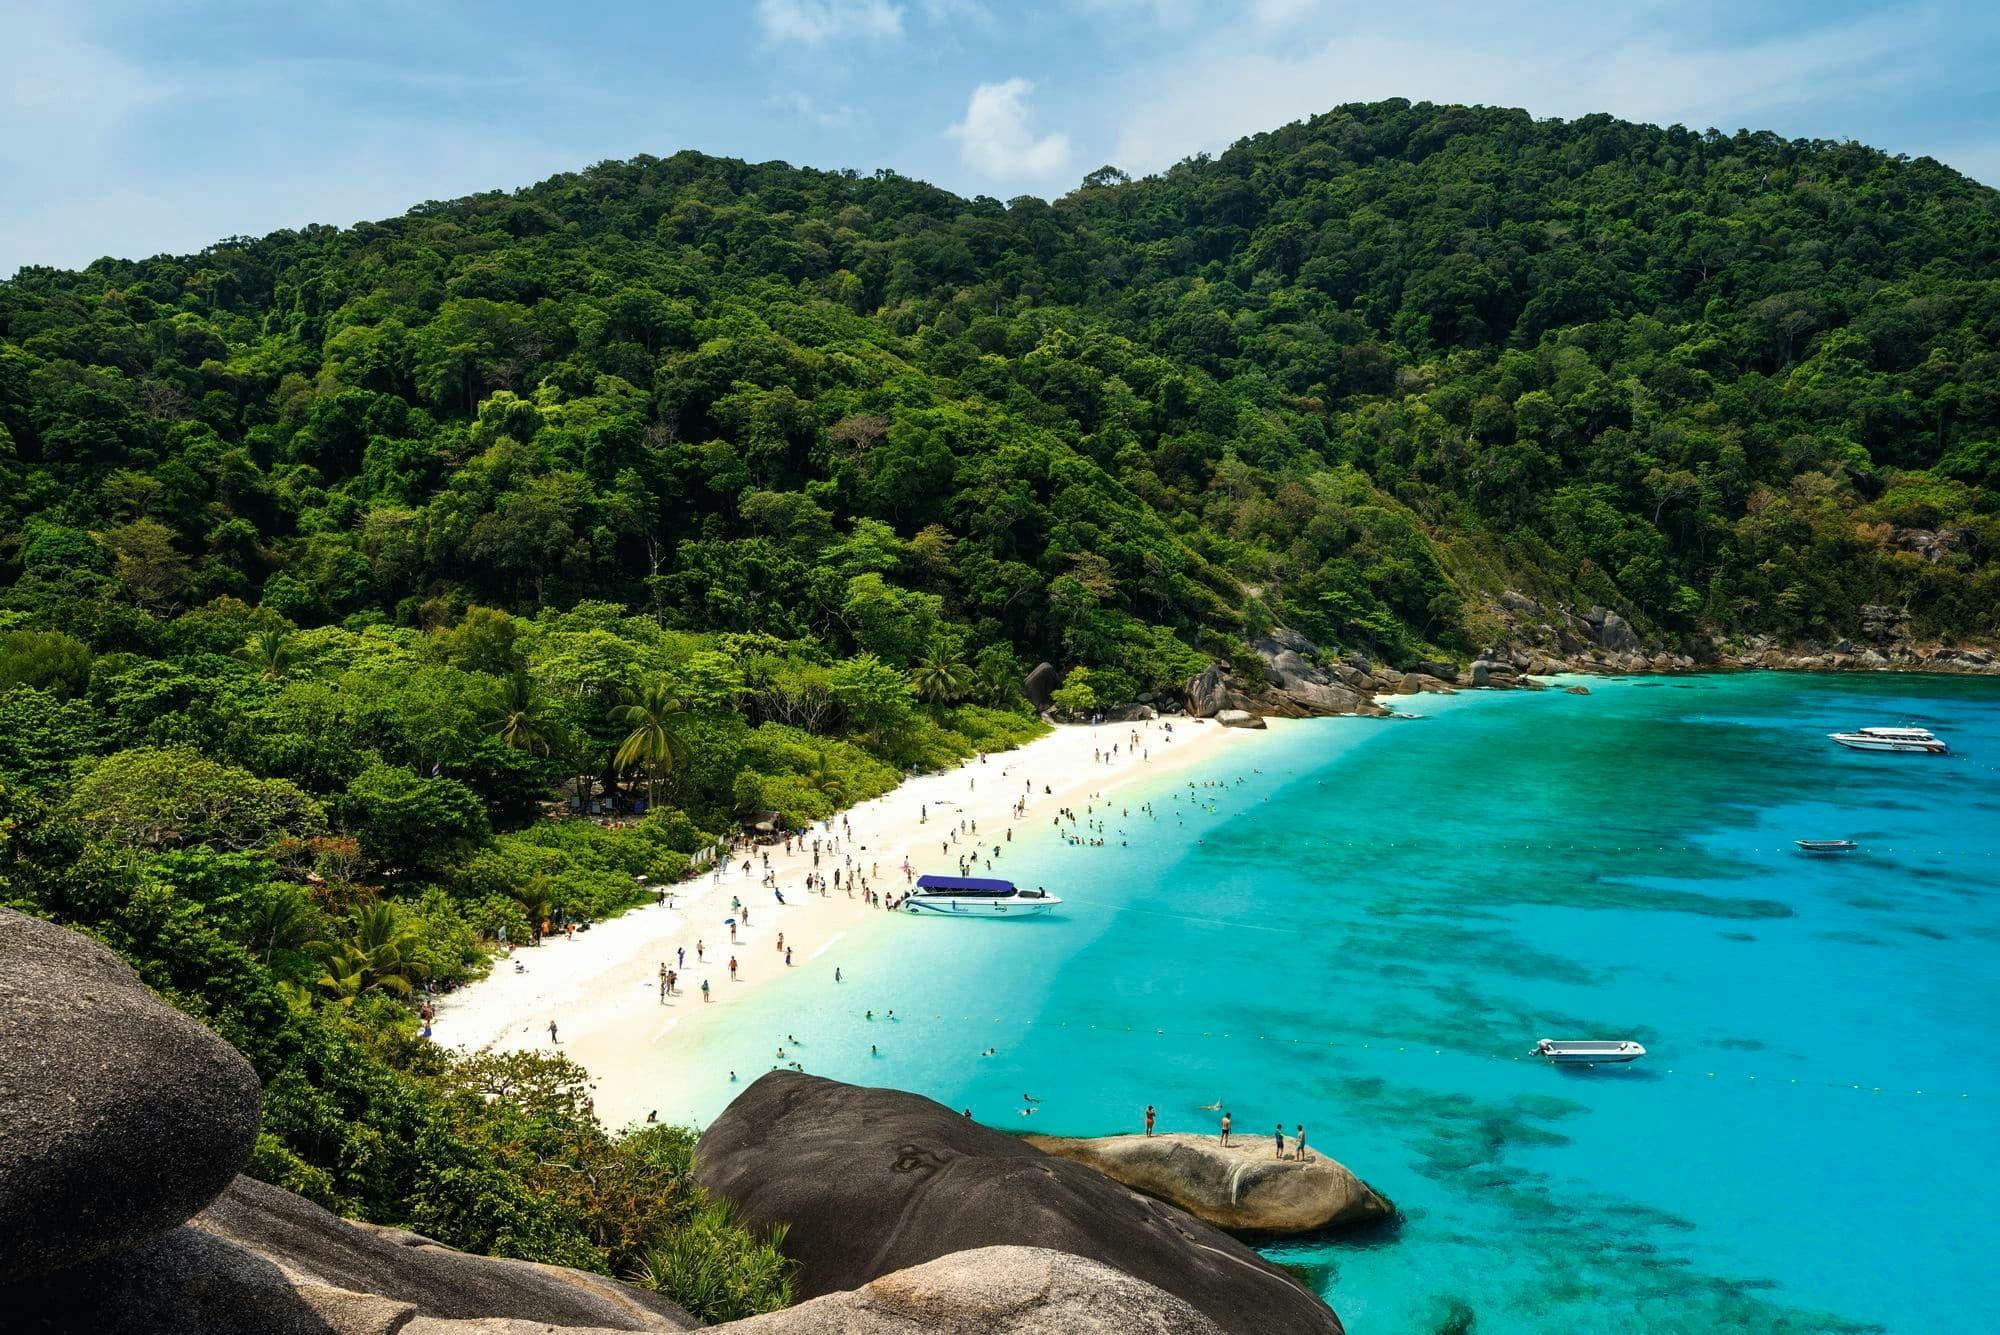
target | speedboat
x=1826, y=845
x=1891, y=739
x=1589, y=1051
x=961, y=896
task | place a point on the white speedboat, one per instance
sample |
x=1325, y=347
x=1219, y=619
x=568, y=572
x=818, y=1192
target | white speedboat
x=1589, y=1051
x=1827, y=845
x=1891, y=739
x=974, y=896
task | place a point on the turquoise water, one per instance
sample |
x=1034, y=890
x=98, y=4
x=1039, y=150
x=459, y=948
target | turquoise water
x=1369, y=930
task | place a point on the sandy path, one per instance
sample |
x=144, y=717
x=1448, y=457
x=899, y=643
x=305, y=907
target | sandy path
x=602, y=987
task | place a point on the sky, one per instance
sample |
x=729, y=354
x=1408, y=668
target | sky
x=134, y=129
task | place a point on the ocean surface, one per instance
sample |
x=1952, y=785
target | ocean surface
x=1363, y=926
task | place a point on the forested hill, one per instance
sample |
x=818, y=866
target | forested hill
x=1356, y=375
x=347, y=576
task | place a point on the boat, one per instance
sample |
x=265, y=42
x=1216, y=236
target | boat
x=963, y=896
x=1891, y=739
x=1589, y=1051
x=1826, y=845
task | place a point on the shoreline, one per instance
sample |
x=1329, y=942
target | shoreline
x=601, y=988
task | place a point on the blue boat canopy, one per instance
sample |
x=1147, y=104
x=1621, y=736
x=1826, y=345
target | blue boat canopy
x=974, y=883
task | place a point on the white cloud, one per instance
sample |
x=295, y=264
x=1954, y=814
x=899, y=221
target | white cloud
x=812, y=22
x=996, y=139
x=1170, y=14
x=1216, y=91
x=806, y=109
x=61, y=92
x=1278, y=13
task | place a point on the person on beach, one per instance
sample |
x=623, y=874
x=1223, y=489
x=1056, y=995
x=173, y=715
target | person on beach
x=1149, y=1119
x=704, y=989
x=1225, y=1128
x=732, y=968
x=788, y=958
x=836, y=973
x=552, y=1032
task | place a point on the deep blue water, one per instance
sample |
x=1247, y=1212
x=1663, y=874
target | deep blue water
x=1368, y=932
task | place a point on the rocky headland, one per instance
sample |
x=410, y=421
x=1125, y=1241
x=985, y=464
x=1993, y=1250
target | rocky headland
x=1243, y=1188
x=122, y=1211
x=873, y=1181
x=1292, y=677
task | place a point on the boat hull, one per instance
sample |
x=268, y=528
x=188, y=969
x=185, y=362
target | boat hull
x=1881, y=744
x=1589, y=1052
x=939, y=906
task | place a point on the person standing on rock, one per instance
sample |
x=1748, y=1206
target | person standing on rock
x=1149, y=1119
x=1281, y=1140
x=1225, y=1128
x=1299, y=1144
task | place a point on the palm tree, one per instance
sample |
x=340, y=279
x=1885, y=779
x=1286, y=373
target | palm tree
x=281, y=920
x=534, y=898
x=522, y=725
x=824, y=781
x=939, y=679
x=374, y=959
x=652, y=745
x=269, y=651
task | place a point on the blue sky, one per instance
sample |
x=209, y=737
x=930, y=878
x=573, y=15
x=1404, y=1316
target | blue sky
x=132, y=129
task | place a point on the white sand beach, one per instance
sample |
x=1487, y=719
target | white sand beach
x=601, y=987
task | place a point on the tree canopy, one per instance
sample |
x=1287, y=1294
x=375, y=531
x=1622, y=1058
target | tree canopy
x=344, y=572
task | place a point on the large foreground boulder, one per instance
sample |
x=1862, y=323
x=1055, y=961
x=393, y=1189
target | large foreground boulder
x=262, y=1261
x=873, y=1181
x=122, y=1115
x=1243, y=1187
x=992, y=1291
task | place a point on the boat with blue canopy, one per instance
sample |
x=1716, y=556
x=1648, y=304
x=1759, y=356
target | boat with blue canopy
x=960, y=896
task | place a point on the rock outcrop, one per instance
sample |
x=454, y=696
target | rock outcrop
x=1039, y=685
x=1541, y=640
x=123, y=1116
x=261, y=1259
x=1239, y=718
x=872, y=1181
x=1243, y=1188
x=1300, y=681
x=992, y=1291
x=120, y=1211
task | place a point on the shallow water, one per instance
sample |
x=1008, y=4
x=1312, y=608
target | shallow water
x=1368, y=932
